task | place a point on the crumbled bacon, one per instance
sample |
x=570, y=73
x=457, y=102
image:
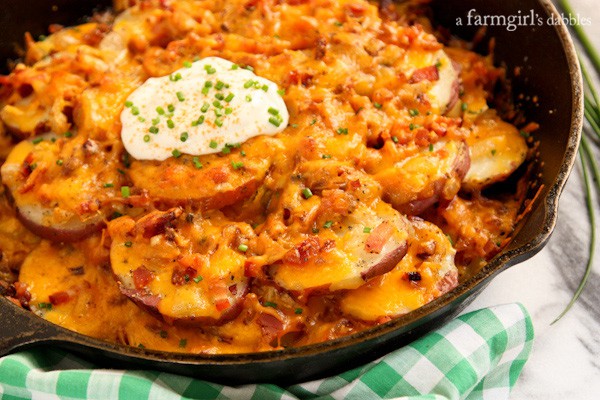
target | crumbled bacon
x=142, y=277
x=59, y=298
x=430, y=73
x=379, y=237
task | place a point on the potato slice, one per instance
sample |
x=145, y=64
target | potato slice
x=188, y=271
x=345, y=255
x=497, y=149
x=425, y=273
x=213, y=181
x=433, y=174
x=58, y=186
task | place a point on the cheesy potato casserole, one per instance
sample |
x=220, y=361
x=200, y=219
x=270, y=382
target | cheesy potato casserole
x=247, y=175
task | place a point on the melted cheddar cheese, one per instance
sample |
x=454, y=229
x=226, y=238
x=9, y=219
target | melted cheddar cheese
x=366, y=206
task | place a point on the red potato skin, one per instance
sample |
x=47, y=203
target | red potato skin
x=60, y=235
x=459, y=169
x=449, y=282
x=387, y=263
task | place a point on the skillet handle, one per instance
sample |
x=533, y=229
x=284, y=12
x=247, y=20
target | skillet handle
x=20, y=328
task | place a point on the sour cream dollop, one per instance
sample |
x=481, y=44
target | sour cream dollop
x=199, y=109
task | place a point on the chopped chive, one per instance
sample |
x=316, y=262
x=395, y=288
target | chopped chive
x=213, y=144
x=180, y=97
x=163, y=334
x=327, y=224
x=219, y=122
x=155, y=121
x=493, y=152
x=235, y=66
x=125, y=191
x=108, y=185
x=68, y=134
x=413, y=112
x=264, y=88
x=315, y=230
x=199, y=121
x=182, y=343
x=314, y=121
x=141, y=346
x=135, y=110
x=275, y=121
x=243, y=153
x=209, y=69
x=298, y=311
x=273, y=111
x=248, y=98
x=146, y=138
x=281, y=92
x=228, y=110
x=430, y=147
x=270, y=304
x=219, y=96
x=226, y=150
x=183, y=137
x=294, y=126
x=170, y=124
x=197, y=163
x=366, y=229
x=160, y=110
x=128, y=104
x=229, y=97
x=377, y=105
x=153, y=129
x=249, y=67
x=59, y=162
x=218, y=112
x=128, y=244
x=198, y=279
x=217, y=104
x=219, y=85
x=141, y=119
x=47, y=306
x=37, y=140
x=337, y=23
x=243, y=248
x=176, y=153
x=326, y=156
x=187, y=64
x=413, y=126
x=248, y=84
x=205, y=90
x=395, y=139
x=342, y=131
x=524, y=134
x=306, y=193
x=171, y=107
x=237, y=165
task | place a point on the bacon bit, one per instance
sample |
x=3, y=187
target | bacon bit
x=183, y=276
x=222, y=304
x=252, y=269
x=191, y=260
x=155, y=223
x=295, y=78
x=531, y=127
x=356, y=9
x=383, y=320
x=379, y=237
x=307, y=250
x=321, y=48
x=269, y=324
x=428, y=73
x=94, y=37
x=59, y=298
x=233, y=289
x=53, y=28
x=142, y=277
x=218, y=175
x=22, y=294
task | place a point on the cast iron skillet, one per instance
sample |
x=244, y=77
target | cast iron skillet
x=549, y=69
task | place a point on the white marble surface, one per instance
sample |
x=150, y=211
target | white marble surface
x=565, y=363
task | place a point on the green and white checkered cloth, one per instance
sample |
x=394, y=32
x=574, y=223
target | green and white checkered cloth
x=476, y=356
